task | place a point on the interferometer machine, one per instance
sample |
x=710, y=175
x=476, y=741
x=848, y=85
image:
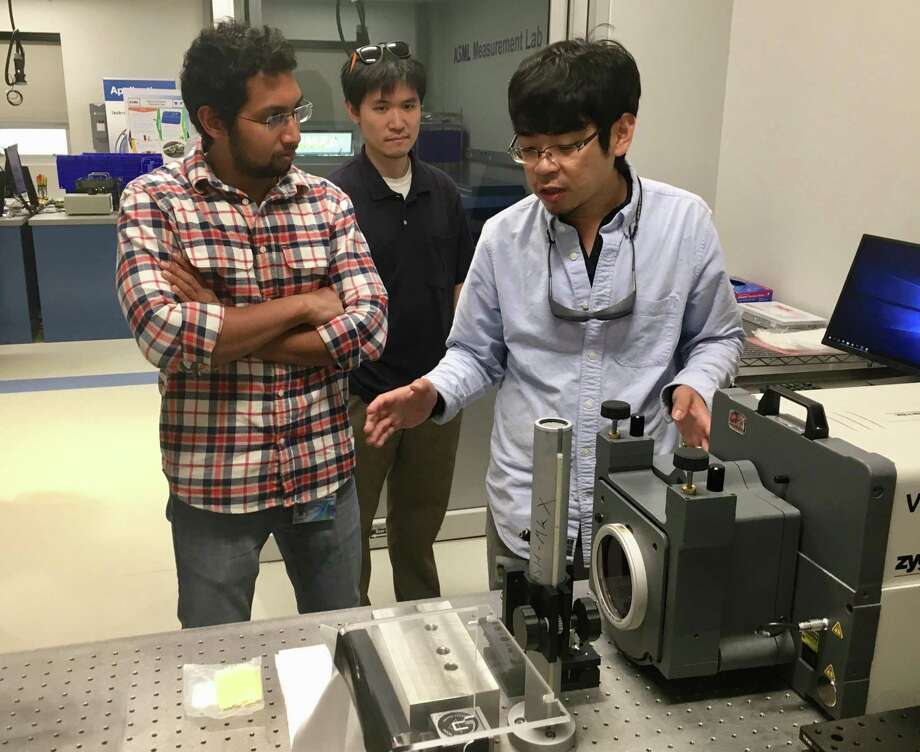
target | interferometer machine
x=793, y=543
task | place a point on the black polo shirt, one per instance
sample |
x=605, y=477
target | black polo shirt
x=422, y=248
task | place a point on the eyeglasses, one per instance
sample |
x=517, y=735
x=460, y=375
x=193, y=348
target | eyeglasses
x=619, y=309
x=372, y=53
x=531, y=156
x=300, y=114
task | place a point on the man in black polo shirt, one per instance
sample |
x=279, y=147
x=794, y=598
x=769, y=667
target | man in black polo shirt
x=411, y=215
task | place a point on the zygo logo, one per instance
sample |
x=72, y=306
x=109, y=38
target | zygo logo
x=909, y=564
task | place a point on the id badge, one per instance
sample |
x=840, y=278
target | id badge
x=321, y=510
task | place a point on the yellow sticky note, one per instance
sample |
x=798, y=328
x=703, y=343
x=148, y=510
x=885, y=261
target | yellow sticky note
x=238, y=686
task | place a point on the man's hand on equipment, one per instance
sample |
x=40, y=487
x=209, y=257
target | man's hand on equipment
x=405, y=407
x=186, y=282
x=689, y=412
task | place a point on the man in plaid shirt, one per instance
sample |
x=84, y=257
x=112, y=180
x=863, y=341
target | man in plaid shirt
x=248, y=283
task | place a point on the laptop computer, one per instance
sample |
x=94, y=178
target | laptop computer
x=870, y=328
x=877, y=316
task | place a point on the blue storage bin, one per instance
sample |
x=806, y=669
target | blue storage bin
x=125, y=166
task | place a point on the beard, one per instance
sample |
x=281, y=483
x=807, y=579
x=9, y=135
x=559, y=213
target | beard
x=277, y=166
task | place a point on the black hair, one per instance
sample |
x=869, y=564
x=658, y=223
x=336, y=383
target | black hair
x=220, y=62
x=360, y=79
x=572, y=83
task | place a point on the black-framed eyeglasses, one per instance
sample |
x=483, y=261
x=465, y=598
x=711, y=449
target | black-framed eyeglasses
x=373, y=53
x=300, y=114
x=617, y=310
x=531, y=156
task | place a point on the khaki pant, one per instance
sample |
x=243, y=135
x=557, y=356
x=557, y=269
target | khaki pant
x=418, y=467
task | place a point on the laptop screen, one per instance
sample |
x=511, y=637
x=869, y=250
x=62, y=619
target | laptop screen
x=878, y=311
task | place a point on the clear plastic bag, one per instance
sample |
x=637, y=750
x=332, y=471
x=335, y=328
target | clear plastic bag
x=222, y=690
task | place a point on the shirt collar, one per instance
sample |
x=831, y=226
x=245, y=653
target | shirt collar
x=623, y=218
x=377, y=187
x=202, y=177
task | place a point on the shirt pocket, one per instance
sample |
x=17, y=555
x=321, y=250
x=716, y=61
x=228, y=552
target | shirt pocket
x=648, y=336
x=226, y=268
x=223, y=258
x=307, y=261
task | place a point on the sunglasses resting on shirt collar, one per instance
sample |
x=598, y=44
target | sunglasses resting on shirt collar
x=617, y=310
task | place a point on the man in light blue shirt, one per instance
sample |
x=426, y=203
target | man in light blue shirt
x=600, y=285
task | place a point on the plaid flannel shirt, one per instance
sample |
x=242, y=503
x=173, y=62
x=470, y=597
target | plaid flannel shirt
x=251, y=434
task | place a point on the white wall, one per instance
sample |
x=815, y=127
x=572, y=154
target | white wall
x=43, y=97
x=110, y=38
x=820, y=141
x=681, y=48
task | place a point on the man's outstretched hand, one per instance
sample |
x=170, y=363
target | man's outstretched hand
x=405, y=407
x=689, y=412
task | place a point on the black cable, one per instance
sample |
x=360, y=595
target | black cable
x=19, y=61
x=338, y=23
x=362, y=26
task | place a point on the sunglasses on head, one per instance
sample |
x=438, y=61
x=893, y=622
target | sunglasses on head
x=373, y=53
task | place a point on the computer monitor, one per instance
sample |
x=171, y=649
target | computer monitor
x=326, y=144
x=18, y=178
x=878, y=312
x=14, y=173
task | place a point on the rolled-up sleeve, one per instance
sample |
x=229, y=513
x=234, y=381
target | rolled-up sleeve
x=712, y=337
x=359, y=334
x=173, y=336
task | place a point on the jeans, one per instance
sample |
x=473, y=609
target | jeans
x=217, y=558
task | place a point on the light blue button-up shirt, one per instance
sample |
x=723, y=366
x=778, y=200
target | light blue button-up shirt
x=685, y=329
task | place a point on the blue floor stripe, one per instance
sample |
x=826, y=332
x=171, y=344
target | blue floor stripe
x=77, y=382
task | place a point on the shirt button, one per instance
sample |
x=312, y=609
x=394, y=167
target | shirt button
x=573, y=255
x=589, y=403
x=281, y=443
x=592, y=355
x=262, y=249
x=281, y=395
x=585, y=452
x=405, y=221
x=245, y=202
x=584, y=306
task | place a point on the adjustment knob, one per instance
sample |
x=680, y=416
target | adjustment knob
x=528, y=628
x=715, y=478
x=691, y=459
x=637, y=426
x=615, y=410
x=587, y=618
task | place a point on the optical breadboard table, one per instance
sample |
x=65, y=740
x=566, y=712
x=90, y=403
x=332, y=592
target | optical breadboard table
x=126, y=694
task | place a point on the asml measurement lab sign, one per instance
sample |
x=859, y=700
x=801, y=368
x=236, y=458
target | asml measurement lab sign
x=527, y=39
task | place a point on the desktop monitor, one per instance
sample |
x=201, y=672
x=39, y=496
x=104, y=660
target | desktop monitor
x=326, y=144
x=878, y=312
x=17, y=178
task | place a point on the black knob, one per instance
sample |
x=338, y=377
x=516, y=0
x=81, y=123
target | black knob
x=691, y=459
x=528, y=628
x=587, y=618
x=715, y=478
x=615, y=410
x=637, y=425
